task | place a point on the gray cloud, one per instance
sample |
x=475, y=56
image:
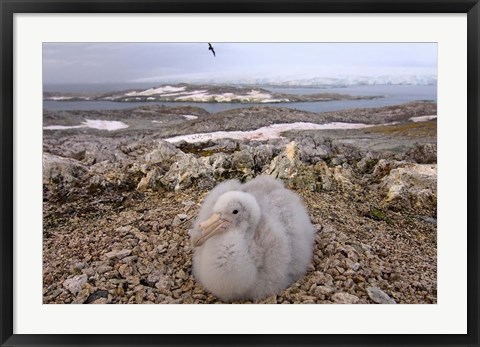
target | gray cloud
x=152, y=62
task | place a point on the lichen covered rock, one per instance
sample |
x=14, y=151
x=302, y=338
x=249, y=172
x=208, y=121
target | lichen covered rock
x=56, y=169
x=414, y=185
x=187, y=171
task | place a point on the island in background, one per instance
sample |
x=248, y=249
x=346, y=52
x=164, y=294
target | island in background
x=201, y=93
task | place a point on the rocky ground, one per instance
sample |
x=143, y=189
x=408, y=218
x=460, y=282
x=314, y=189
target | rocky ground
x=118, y=205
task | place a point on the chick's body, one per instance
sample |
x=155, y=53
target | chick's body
x=261, y=243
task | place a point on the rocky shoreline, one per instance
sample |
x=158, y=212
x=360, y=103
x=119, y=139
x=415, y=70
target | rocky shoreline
x=118, y=205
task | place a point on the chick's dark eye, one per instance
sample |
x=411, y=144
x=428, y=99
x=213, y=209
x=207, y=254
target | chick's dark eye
x=235, y=211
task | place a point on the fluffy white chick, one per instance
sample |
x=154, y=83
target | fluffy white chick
x=257, y=240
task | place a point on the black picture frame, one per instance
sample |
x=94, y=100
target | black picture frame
x=9, y=7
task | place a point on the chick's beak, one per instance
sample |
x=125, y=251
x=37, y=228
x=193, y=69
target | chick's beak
x=210, y=227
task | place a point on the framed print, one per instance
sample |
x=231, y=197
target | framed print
x=246, y=173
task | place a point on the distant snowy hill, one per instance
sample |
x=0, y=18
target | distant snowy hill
x=345, y=81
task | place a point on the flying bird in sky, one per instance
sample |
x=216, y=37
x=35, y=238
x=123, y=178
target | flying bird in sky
x=210, y=48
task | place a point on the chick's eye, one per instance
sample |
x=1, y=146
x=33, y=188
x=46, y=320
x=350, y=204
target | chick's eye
x=235, y=211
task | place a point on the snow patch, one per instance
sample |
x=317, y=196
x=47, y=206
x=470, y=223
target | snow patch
x=190, y=117
x=225, y=97
x=58, y=98
x=180, y=94
x=423, y=118
x=92, y=123
x=62, y=127
x=155, y=91
x=265, y=133
x=251, y=96
x=199, y=96
x=104, y=124
x=258, y=94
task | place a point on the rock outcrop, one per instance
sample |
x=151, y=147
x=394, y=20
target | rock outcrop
x=307, y=163
x=59, y=169
x=414, y=185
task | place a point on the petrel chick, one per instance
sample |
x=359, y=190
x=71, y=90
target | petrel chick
x=251, y=240
x=210, y=48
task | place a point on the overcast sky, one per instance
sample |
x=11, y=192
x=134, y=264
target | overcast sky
x=80, y=63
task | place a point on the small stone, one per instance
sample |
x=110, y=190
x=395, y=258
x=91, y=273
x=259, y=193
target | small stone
x=356, y=266
x=358, y=279
x=104, y=268
x=141, y=236
x=307, y=299
x=188, y=205
x=125, y=270
x=96, y=295
x=154, y=277
x=395, y=277
x=123, y=253
x=179, y=219
x=145, y=267
x=133, y=281
x=124, y=229
x=111, y=255
x=176, y=293
x=352, y=255
x=199, y=296
x=129, y=259
x=348, y=283
x=163, y=283
x=150, y=297
x=48, y=278
x=74, y=284
x=322, y=290
x=139, y=296
x=181, y=274
x=82, y=296
x=78, y=265
x=162, y=248
x=89, y=271
x=429, y=219
x=270, y=300
x=56, y=293
x=187, y=287
x=344, y=298
x=119, y=254
x=100, y=301
x=379, y=296
x=118, y=281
